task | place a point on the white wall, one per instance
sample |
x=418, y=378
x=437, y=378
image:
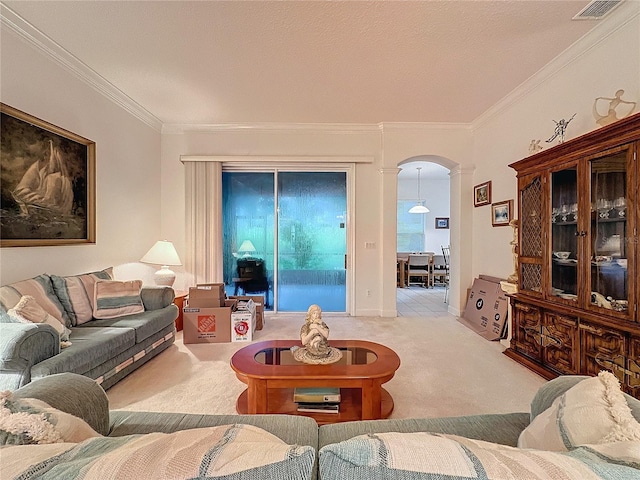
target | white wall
x=373, y=219
x=604, y=61
x=127, y=164
x=435, y=194
x=449, y=145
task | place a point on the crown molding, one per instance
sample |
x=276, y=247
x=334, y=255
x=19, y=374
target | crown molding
x=345, y=159
x=420, y=127
x=333, y=128
x=626, y=13
x=460, y=171
x=34, y=37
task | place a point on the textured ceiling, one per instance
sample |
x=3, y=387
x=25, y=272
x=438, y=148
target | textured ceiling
x=358, y=62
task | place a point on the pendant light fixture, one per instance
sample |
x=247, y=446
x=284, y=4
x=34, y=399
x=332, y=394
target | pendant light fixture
x=419, y=207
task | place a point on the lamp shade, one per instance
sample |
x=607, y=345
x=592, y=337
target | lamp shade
x=418, y=209
x=247, y=247
x=162, y=253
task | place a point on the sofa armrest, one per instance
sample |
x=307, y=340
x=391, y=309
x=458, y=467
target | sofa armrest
x=75, y=394
x=502, y=428
x=155, y=298
x=23, y=345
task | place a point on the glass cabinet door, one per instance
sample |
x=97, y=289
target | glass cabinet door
x=608, y=278
x=564, y=235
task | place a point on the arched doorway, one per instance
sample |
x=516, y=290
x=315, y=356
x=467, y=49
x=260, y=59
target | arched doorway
x=423, y=180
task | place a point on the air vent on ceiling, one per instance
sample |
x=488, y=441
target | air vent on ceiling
x=597, y=9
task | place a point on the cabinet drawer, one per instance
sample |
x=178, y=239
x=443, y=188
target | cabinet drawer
x=602, y=348
x=560, y=336
x=527, y=325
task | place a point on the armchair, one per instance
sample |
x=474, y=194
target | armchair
x=252, y=278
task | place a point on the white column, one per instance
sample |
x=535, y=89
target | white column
x=460, y=275
x=388, y=256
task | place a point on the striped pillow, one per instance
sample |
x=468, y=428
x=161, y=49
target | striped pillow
x=114, y=298
x=76, y=293
x=41, y=289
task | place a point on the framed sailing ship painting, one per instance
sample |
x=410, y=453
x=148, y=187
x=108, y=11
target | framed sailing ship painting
x=47, y=183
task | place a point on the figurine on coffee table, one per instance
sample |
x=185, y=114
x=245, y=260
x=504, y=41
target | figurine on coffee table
x=314, y=336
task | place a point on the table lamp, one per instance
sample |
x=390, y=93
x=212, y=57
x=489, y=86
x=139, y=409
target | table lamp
x=247, y=249
x=163, y=253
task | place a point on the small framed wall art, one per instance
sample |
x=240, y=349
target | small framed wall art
x=501, y=213
x=442, y=222
x=47, y=189
x=482, y=194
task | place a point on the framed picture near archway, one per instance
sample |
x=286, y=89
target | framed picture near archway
x=442, y=222
x=501, y=213
x=47, y=183
x=482, y=194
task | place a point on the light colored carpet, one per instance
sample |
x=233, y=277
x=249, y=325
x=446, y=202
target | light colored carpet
x=446, y=369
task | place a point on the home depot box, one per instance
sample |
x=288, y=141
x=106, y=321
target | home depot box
x=486, y=310
x=206, y=325
x=258, y=301
x=243, y=321
x=207, y=295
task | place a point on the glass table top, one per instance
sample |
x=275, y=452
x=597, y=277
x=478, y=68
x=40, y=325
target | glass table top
x=284, y=356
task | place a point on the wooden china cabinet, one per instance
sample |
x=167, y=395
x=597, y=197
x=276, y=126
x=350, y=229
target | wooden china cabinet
x=576, y=309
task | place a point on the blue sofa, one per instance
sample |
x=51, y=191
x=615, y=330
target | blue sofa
x=84, y=399
x=104, y=350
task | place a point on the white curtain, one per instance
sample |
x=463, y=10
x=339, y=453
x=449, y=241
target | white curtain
x=203, y=211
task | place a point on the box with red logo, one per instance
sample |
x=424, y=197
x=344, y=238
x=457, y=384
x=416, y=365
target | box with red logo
x=243, y=321
x=258, y=301
x=206, y=325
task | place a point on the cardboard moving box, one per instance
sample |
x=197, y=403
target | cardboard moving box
x=243, y=321
x=258, y=301
x=207, y=295
x=206, y=325
x=486, y=310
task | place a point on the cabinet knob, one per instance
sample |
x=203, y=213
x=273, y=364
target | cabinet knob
x=581, y=234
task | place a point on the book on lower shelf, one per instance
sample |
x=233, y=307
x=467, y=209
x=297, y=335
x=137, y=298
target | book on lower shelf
x=319, y=407
x=317, y=395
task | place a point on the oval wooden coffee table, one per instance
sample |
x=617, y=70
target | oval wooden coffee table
x=271, y=373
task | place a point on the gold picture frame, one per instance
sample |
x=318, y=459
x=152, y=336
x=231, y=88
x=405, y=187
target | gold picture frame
x=47, y=183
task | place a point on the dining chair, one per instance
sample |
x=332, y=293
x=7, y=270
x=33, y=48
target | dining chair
x=420, y=266
x=446, y=253
x=402, y=269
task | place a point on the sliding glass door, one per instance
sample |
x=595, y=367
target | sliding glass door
x=289, y=227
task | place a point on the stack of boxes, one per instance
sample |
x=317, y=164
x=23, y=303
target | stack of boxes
x=211, y=317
